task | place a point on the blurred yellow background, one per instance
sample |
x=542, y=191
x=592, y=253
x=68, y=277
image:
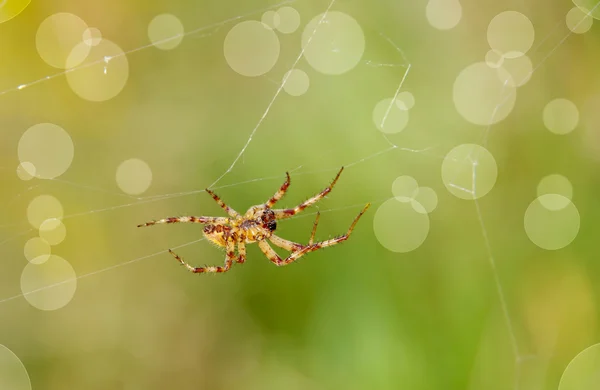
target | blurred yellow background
x=471, y=127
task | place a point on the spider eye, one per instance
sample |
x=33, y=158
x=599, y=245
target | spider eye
x=272, y=225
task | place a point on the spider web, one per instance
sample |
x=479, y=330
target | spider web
x=235, y=158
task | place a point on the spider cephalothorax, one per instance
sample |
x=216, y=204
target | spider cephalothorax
x=257, y=225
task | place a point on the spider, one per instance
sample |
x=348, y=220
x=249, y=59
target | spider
x=257, y=225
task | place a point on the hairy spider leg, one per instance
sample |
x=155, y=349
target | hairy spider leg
x=299, y=250
x=232, y=213
x=241, y=252
x=230, y=256
x=190, y=219
x=286, y=213
x=314, y=231
x=279, y=194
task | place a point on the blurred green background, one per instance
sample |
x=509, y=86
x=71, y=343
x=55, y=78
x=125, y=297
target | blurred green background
x=451, y=314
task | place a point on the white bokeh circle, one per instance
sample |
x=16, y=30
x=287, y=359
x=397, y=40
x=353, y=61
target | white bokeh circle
x=582, y=372
x=425, y=200
x=443, y=14
x=53, y=231
x=43, y=207
x=13, y=374
x=289, y=20
x=296, y=82
x=45, y=150
x=49, y=285
x=134, y=176
x=165, y=31
x=106, y=75
x=57, y=36
x=389, y=116
x=398, y=227
x=511, y=33
x=555, y=184
x=578, y=21
x=251, y=49
x=469, y=171
x=481, y=97
x=560, y=116
x=333, y=43
x=37, y=250
x=551, y=229
x=404, y=188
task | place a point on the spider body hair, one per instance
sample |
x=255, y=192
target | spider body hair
x=257, y=225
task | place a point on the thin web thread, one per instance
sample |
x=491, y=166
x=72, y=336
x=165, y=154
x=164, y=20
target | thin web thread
x=491, y=258
x=490, y=255
x=279, y=89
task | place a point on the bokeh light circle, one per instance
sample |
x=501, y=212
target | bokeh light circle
x=53, y=231
x=515, y=72
x=481, y=97
x=333, y=43
x=443, y=14
x=389, y=117
x=251, y=49
x=37, y=250
x=398, y=227
x=107, y=75
x=551, y=229
x=270, y=19
x=589, y=6
x=165, y=31
x=494, y=59
x=511, y=33
x=582, y=372
x=405, y=100
x=555, y=184
x=404, y=188
x=289, y=20
x=469, y=171
x=561, y=116
x=26, y=171
x=297, y=82
x=134, y=176
x=43, y=207
x=425, y=200
x=579, y=21
x=48, y=148
x=92, y=36
x=57, y=36
x=49, y=285
x=13, y=374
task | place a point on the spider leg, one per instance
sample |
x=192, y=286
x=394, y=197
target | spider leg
x=299, y=250
x=211, y=269
x=288, y=245
x=286, y=213
x=232, y=213
x=314, y=231
x=344, y=237
x=241, y=252
x=274, y=257
x=279, y=194
x=190, y=219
